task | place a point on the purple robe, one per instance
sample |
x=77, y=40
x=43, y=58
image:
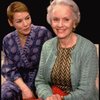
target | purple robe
x=22, y=62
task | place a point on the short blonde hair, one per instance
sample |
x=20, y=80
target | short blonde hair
x=67, y=3
x=16, y=7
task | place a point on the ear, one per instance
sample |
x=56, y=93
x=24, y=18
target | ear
x=75, y=24
x=10, y=23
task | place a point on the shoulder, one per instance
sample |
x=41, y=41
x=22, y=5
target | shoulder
x=41, y=31
x=85, y=44
x=9, y=36
x=86, y=41
x=37, y=27
x=50, y=43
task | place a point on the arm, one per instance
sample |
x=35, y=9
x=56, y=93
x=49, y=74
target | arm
x=42, y=86
x=26, y=92
x=10, y=70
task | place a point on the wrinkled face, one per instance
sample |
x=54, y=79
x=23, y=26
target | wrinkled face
x=22, y=22
x=62, y=20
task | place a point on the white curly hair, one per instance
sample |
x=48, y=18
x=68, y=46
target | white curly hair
x=71, y=3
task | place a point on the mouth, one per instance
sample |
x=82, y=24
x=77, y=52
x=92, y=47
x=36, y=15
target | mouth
x=60, y=30
x=26, y=29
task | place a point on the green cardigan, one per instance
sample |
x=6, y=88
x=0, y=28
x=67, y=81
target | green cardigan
x=84, y=66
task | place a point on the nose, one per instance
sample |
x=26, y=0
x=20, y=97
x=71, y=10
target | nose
x=25, y=23
x=60, y=23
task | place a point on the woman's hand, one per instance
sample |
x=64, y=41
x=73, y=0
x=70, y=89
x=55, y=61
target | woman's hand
x=55, y=97
x=27, y=93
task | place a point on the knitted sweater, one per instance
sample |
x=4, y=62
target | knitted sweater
x=84, y=66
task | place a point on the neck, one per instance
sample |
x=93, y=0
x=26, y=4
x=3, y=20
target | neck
x=22, y=39
x=69, y=41
x=22, y=36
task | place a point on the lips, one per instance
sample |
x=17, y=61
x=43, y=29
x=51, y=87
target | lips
x=26, y=29
x=60, y=30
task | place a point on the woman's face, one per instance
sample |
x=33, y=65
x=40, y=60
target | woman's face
x=22, y=22
x=62, y=21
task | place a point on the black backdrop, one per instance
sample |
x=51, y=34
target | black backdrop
x=88, y=27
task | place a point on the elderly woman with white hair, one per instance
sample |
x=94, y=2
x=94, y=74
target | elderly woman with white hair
x=69, y=62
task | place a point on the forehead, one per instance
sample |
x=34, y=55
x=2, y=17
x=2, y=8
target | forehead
x=19, y=15
x=62, y=9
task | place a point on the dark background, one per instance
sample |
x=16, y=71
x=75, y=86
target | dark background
x=88, y=27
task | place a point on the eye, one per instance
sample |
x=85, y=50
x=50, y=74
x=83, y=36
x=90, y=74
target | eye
x=18, y=21
x=55, y=19
x=28, y=17
x=66, y=19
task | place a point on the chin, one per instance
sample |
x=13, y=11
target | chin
x=26, y=33
x=61, y=37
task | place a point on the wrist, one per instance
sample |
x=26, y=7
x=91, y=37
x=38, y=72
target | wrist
x=62, y=97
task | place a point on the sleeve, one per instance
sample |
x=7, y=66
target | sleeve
x=86, y=88
x=9, y=69
x=42, y=86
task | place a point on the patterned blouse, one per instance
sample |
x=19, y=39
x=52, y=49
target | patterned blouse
x=23, y=62
x=60, y=75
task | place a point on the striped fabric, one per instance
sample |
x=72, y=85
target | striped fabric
x=61, y=70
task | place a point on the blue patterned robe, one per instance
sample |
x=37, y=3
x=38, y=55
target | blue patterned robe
x=21, y=62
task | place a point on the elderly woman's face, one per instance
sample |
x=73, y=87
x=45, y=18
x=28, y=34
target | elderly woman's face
x=62, y=20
